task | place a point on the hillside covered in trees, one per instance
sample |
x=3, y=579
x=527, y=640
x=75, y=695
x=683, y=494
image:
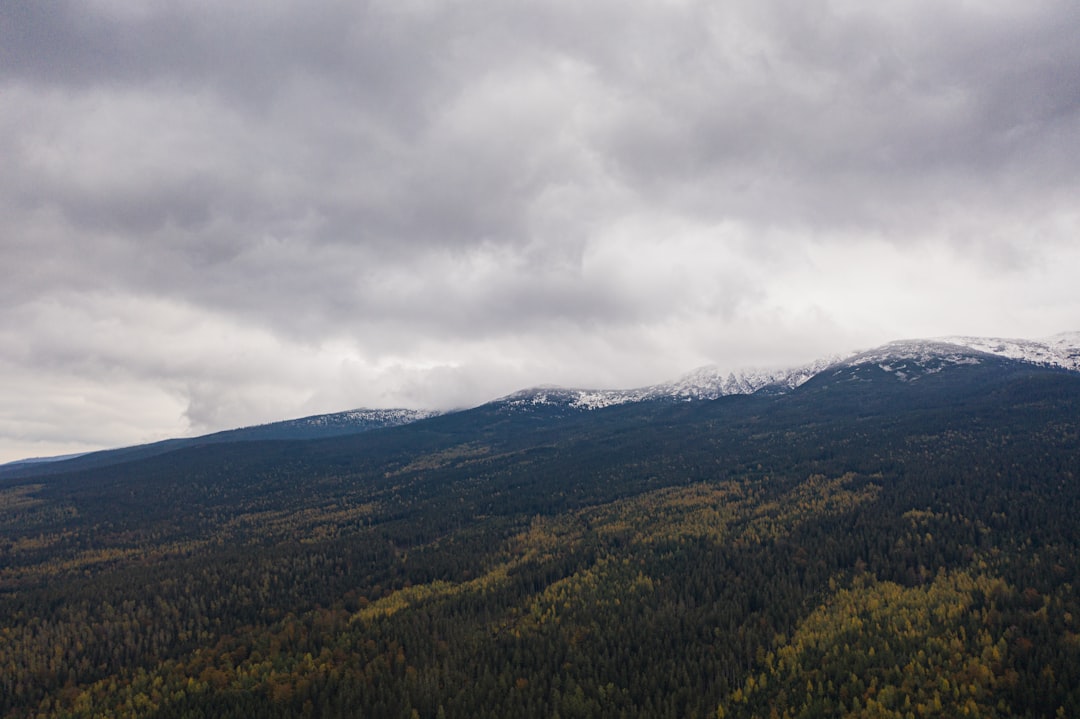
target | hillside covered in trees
x=862, y=546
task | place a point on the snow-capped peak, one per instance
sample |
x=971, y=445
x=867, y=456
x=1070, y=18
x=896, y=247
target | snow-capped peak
x=711, y=382
x=906, y=359
x=704, y=383
x=1061, y=350
x=916, y=351
x=910, y=359
x=381, y=417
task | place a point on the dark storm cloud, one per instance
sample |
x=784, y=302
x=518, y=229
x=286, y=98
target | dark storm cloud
x=393, y=192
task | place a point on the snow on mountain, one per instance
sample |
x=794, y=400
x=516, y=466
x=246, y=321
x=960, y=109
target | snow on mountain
x=314, y=427
x=1061, y=350
x=365, y=417
x=711, y=382
x=907, y=359
x=598, y=399
x=574, y=398
x=704, y=383
x=910, y=359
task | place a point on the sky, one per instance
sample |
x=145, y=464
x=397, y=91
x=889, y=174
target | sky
x=220, y=214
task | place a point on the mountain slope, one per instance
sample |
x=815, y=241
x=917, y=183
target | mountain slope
x=312, y=427
x=904, y=358
x=705, y=383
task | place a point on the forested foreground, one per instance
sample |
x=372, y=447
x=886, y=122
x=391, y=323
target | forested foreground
x=752, y=557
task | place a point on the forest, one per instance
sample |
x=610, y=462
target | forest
x=860, y=547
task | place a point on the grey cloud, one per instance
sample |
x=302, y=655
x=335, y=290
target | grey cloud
x=840, y=119
x=774, y=114
x=403, y=178
x=246, y=51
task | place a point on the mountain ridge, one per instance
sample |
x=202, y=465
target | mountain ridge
x=906, y=359
x=316, y=426
x=710, y=382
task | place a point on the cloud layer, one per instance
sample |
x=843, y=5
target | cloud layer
x=213, y=215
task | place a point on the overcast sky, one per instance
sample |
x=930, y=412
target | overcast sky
x=215, y=214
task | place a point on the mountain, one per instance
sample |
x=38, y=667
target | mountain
x=1062, y=351
x=322, y=425
x=905, y=358
x=312, y=427
x=37, y=460
x=704, y=383
x=894, y=535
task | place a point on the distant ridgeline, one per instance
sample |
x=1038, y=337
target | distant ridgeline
x=891, y=534
x=313, y=427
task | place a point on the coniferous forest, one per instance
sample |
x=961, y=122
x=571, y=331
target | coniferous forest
x=861, y=546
